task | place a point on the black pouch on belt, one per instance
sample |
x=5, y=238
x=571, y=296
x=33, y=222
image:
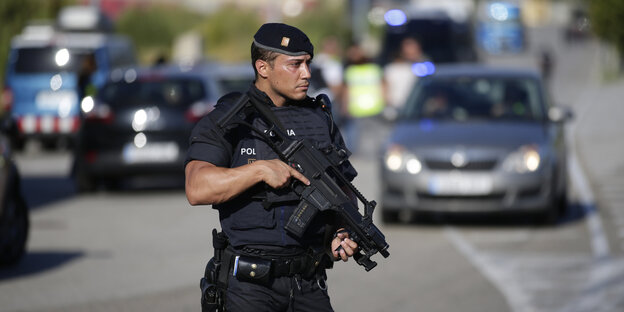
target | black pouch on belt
x=253, y=270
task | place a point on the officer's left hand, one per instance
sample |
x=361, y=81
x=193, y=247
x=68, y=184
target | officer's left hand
x=349, y=247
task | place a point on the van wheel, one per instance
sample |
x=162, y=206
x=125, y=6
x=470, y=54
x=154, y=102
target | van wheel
x=18, y=143
x=85, y=183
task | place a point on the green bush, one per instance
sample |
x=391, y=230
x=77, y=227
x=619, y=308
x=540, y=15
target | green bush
x=607, y=18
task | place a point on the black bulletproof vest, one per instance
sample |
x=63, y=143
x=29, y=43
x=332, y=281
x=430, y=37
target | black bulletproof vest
x=258, y=216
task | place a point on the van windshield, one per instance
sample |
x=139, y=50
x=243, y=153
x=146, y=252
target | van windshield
x=46, y=60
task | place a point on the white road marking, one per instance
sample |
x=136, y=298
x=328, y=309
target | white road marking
x=599, y=242
x=598, y=238
x=502, y=279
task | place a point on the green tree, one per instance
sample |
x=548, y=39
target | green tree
x=227, y=33
x=607, y=17
x=154, y=29
x=324, y=20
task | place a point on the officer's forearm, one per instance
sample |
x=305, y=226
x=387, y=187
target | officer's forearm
x=207, y=184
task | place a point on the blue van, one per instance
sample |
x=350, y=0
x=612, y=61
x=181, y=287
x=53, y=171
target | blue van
x=42, y=79
x=500, y=28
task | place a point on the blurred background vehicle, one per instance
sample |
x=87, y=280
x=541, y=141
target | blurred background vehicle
x=500, y=28
x=442, y=38
x=234, y=77
x=578, y=26
x=51, y=67
x=14, y=215
x=139, y=123
x=476, y=139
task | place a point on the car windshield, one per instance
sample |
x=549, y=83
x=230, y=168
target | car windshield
x=176, y=93
x=47, y=59
x=472, y=98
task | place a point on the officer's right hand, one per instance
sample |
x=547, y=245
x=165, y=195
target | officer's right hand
x=278, y=174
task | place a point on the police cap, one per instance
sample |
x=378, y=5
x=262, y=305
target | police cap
x=282, y=38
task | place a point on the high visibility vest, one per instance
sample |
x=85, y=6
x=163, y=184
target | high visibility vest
x=364, y=83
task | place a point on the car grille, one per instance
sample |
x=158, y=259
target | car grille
x=470, y=166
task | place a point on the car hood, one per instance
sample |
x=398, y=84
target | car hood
x=426, y=133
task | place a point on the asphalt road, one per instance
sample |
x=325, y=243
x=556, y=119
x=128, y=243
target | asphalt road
x=144, y=248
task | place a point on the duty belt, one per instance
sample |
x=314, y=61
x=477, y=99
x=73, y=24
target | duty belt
x=288, y=267
x=302, y=264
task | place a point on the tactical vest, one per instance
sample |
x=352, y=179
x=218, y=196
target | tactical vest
x=258, y=215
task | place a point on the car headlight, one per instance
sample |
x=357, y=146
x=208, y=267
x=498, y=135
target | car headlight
x=397, y=159
x=525, y=159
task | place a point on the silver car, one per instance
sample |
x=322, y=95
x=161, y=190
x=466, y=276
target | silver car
x=472, y=138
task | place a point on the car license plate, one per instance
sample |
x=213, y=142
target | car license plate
x=150, y=153
x=456, y=183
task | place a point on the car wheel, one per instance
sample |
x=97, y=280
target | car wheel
x=550, y=215
x=562, y=200
x=112, y=184
x=562, y=204
x=85, y=183
x=14, y=225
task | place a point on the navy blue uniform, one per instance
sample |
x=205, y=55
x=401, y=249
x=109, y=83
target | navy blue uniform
x=244, y=219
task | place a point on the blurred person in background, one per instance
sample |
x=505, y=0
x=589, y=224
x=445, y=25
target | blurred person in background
x=547, y=64
x=259, y=265
x=363, y=95
x=329, y=61
x=86, y=87
x=399, y=76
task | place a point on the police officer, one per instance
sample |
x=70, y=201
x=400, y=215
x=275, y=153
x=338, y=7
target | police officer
x=237, y=173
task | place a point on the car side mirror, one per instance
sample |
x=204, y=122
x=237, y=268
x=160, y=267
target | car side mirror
x=560, y=114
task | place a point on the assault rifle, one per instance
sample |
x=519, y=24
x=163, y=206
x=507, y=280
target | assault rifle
x=328, y=189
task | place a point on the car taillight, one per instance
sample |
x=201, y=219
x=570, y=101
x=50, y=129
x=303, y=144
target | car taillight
x=198, y=110
x=7, y=99
x=100, y=113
